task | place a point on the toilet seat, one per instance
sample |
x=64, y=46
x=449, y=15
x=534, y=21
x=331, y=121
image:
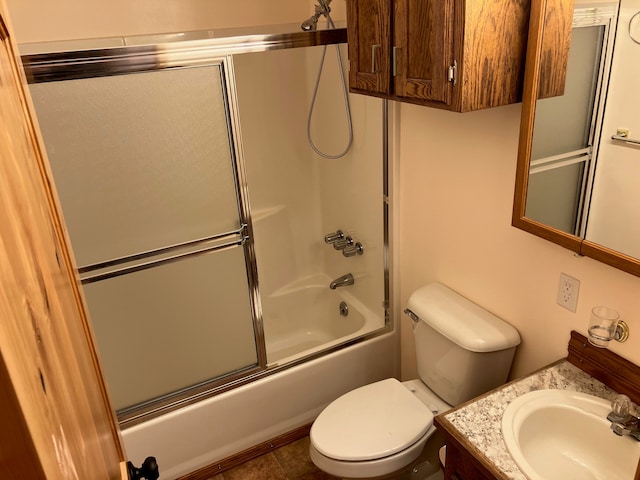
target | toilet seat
x=370, y=468
x=371, y=422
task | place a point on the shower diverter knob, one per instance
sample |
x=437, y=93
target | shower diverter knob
x=351, y=250
x=343, y=243
x=333, y=237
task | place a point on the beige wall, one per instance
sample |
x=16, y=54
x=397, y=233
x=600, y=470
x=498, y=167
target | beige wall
x=457, y=176
x=46, y=20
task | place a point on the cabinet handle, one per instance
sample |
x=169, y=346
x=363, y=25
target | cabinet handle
x=374, y=49
x=394, y=60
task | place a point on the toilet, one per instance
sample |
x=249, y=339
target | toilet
x=462, y=351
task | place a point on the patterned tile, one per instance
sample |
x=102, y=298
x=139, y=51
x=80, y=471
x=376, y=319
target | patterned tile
x=294, y=459
x=265, y=467
x=290, y=462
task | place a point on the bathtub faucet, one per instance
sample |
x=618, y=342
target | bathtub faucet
x=342, y=281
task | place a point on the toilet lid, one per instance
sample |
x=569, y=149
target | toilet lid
x=371, y=422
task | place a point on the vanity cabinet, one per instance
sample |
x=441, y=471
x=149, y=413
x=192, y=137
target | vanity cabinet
x=460, y=55
x=461, y=464
x=472, y=432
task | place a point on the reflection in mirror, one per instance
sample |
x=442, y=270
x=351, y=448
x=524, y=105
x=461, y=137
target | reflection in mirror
x=565, y=130
x=614, y=215
x=575, y=185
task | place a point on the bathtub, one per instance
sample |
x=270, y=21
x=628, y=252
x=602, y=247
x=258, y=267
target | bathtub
x=203, y=433
x=304, y=318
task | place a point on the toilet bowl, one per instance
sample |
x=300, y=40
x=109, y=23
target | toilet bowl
x=462, y=351
x=375, y=430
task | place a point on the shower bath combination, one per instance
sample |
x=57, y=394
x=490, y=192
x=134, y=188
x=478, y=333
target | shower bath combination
x=184, y=277
x=310, y=25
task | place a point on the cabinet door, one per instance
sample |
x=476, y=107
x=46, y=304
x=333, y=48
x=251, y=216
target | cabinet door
x=369, y=33
x=423, y=49
x=556, y=42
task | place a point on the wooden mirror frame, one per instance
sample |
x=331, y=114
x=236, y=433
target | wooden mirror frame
x=549, y=31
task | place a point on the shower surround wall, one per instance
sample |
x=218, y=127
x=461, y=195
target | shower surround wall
x=297, y=197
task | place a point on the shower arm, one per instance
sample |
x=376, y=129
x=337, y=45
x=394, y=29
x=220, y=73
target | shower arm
x=322, y=8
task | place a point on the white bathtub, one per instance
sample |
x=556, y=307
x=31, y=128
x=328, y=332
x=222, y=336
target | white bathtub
x=201, y=434
x=304, y=318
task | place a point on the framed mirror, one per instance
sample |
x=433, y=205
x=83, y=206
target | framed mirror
x=578, y=166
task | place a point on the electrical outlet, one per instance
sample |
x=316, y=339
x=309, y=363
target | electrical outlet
x=568, y=292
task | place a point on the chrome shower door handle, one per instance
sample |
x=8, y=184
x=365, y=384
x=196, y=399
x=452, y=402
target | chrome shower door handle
x=374, y=50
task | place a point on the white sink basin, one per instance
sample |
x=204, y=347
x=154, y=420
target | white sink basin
x=560, y=435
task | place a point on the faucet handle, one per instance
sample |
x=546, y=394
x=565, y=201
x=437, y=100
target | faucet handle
x=343, y=243
x=620, y=408
x=623, y=420
x=351, y=250
x=621, y=405
x=334, y=237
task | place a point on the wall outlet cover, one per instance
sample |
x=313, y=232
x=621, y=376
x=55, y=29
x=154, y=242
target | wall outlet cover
x=568, y=289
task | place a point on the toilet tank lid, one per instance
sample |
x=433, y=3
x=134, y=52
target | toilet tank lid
x=460, y=320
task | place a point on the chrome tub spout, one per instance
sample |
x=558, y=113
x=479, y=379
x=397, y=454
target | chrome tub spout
x=342, y=281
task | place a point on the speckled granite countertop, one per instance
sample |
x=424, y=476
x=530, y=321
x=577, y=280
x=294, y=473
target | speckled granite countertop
x=479, y=422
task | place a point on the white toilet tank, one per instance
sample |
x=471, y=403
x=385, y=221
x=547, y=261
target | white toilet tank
x=462, y=350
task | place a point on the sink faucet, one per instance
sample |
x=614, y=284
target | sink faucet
x=622, y=421
x=629, y=427
x=342, y=281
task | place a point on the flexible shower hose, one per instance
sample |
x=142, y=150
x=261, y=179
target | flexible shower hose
x=346, y=101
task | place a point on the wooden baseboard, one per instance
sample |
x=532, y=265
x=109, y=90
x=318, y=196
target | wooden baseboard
x=209, y=471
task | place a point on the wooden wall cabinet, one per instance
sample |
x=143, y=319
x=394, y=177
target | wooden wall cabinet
x=460, y=55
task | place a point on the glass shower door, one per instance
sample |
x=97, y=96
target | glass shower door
x=146, y=173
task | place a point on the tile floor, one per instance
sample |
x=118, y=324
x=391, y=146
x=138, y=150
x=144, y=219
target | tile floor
x=290, y=462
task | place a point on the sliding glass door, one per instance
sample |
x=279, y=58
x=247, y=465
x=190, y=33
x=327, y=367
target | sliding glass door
x=151, y=197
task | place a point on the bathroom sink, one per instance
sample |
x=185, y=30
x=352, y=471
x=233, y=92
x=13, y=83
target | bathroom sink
x=559, y=434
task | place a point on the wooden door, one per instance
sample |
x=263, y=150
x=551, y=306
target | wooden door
x=423, y=45
x=57, y=422
x=369, y=36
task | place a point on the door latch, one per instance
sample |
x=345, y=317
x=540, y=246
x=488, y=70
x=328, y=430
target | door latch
x=148, y=470
x=453, y=73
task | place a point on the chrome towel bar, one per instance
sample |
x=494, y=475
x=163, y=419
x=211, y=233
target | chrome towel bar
x=622, y=138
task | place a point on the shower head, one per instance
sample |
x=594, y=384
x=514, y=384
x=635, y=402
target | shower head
x=310, y=24
x=322, y=8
